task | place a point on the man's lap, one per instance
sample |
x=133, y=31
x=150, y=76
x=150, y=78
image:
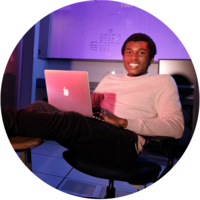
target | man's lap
x=86, y=135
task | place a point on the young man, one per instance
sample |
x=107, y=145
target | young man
x=144, y=104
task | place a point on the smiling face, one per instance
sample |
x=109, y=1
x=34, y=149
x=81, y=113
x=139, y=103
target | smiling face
x=136, y=58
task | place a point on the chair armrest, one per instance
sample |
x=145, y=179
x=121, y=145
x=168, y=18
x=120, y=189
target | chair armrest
x=161, y=138
x=166, y=143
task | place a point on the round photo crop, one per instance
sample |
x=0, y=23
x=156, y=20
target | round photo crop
x=143, y=108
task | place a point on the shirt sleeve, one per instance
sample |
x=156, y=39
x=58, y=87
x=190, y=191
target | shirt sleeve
x=169, y=121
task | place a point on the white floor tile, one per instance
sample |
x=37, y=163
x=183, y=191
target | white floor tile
x=52, y=142
x=124, y=185
x=53, y=181
x=76, y=175
x=49, y=150
x=50, y=165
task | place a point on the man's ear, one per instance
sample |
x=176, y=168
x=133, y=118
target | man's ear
x=151, y=60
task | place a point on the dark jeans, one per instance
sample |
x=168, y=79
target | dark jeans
x=89, y=137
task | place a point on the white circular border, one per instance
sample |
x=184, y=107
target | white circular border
x=16, y=17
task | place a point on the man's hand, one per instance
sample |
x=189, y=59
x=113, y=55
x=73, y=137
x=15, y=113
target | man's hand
x=109, y=117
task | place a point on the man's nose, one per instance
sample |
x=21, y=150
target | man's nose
x=134, y=56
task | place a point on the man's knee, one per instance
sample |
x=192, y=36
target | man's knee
x=39, y=103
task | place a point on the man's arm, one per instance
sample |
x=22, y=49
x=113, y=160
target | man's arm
x=113, y=119
x=169, y=121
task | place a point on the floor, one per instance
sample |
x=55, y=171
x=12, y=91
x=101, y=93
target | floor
x=49, y=165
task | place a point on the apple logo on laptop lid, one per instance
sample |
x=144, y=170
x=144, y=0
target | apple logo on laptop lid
x=66, y=92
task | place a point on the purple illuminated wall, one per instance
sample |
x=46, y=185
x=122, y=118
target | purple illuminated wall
x=97, y=30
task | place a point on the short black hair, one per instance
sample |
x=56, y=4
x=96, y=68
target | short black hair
x=141, y=37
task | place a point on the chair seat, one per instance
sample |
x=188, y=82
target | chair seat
x=24, y=142
x=143, y=171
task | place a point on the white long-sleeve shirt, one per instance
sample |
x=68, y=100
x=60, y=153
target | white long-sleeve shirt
x=150, y=103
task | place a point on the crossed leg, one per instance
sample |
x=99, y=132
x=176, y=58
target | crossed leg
x=87, y=136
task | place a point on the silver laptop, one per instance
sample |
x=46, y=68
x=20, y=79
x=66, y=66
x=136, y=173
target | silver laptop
x=70, y=91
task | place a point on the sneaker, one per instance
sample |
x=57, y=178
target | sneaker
x=9, y=114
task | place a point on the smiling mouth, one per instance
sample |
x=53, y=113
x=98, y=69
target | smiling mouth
x=133, y=65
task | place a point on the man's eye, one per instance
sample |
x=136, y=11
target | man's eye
x=142, y=52
x=128, y=52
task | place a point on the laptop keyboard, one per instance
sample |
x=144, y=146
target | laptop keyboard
x=100, y=119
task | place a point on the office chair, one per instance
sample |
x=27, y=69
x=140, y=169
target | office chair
x=142, y=172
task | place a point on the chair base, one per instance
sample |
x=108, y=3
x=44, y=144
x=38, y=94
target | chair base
x=110, y=190
x=110, y=193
